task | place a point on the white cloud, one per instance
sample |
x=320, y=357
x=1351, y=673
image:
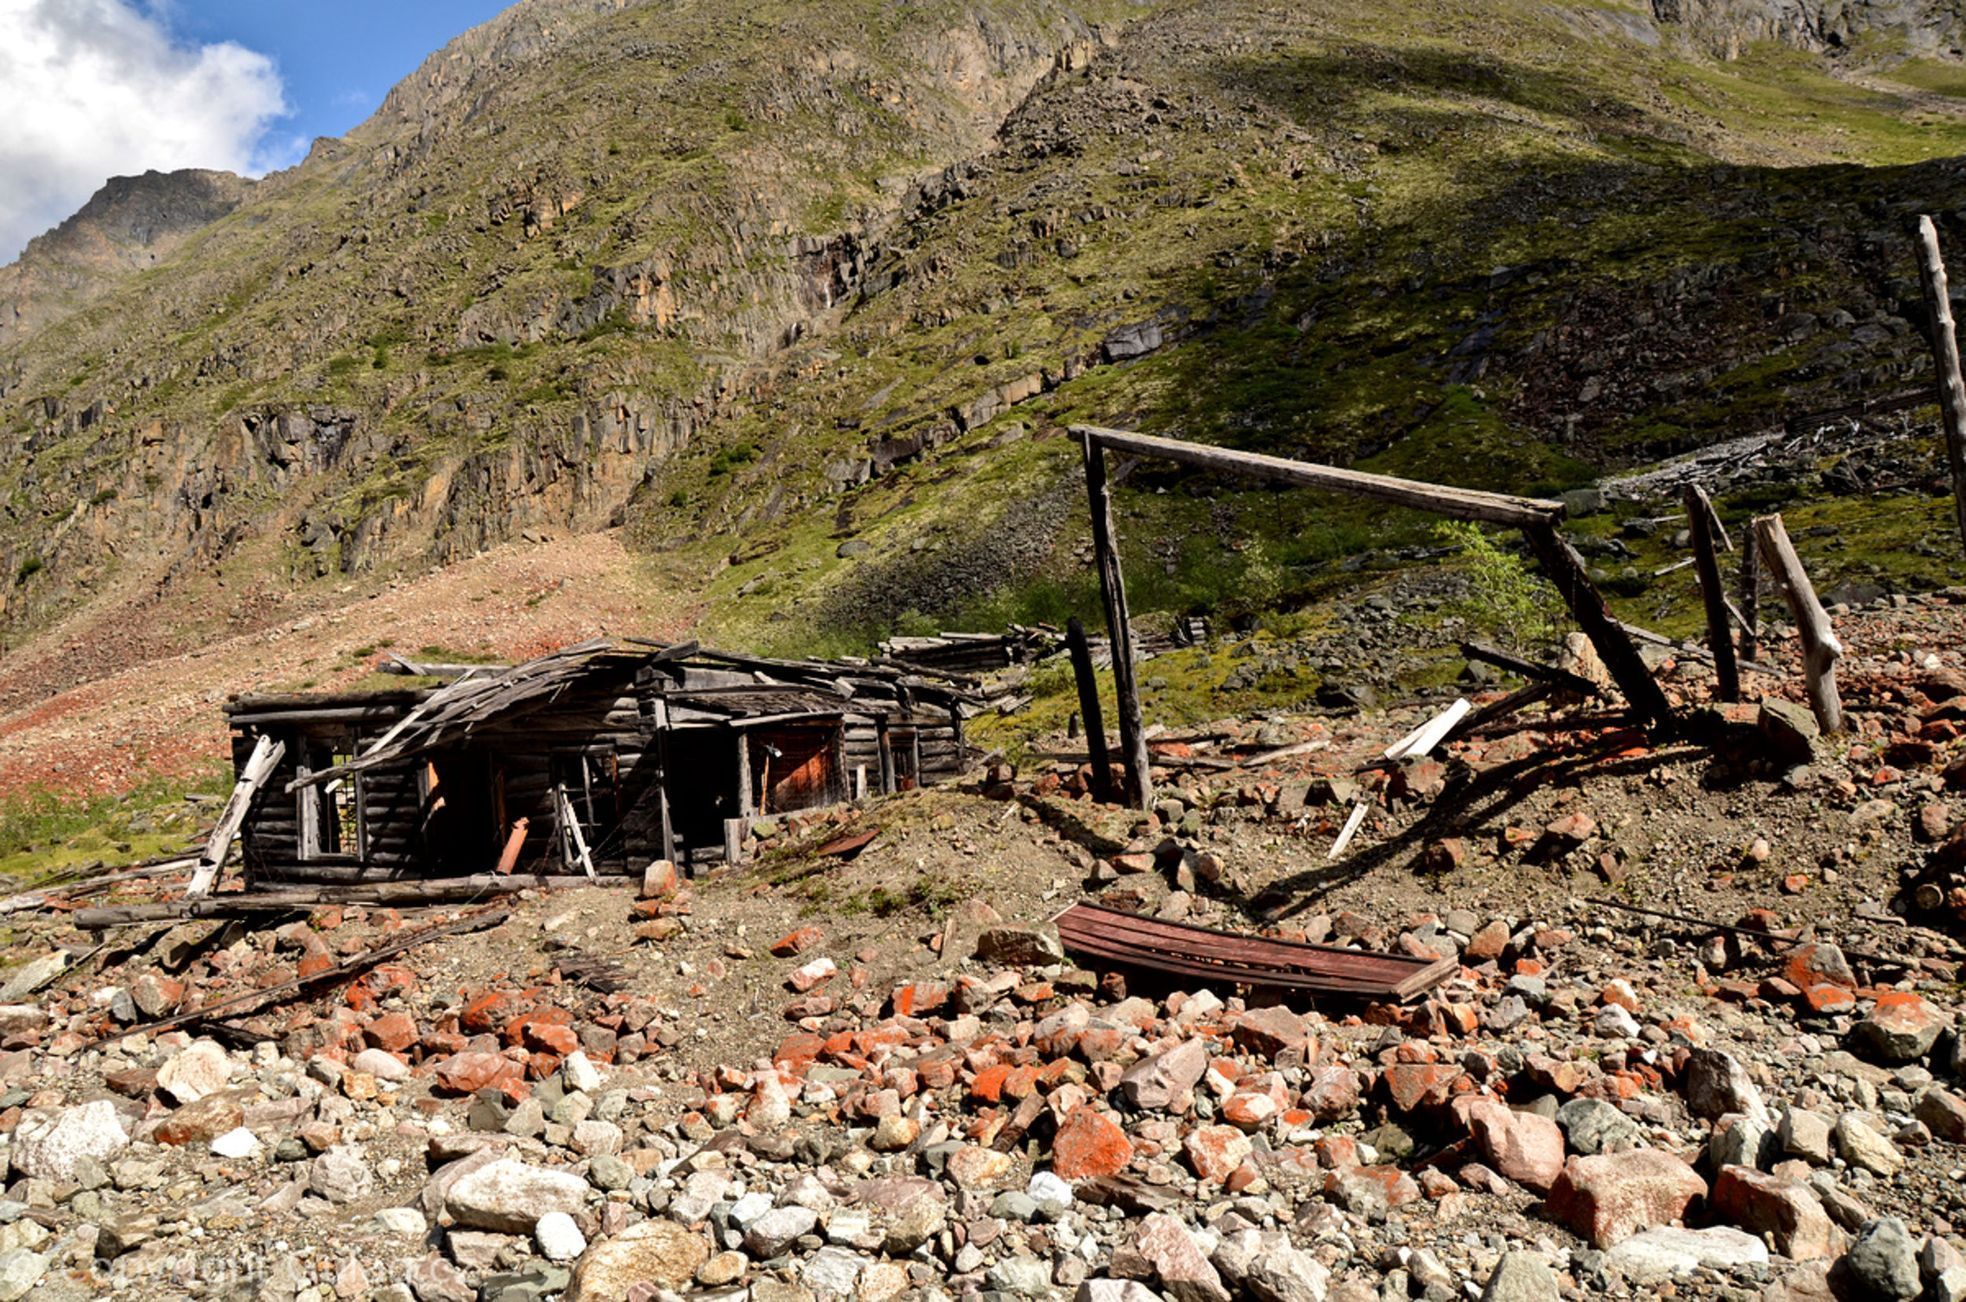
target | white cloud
x=91, y=89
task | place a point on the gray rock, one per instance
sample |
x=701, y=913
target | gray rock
x=1115, y=1290
x=29, y=977
x=1521, y=1277
x=832, y=1272
x=1859, y=1145
x=1883, y=1261
x=341, y=1175
x=1020, y=946
x=1269, y=1268
x=433, y=1279
x=1020, y=1276
x=1592, y=1126
x=1805, y=1135
x=1155, y=1082
x=1717, y=1083
x=776, y=1230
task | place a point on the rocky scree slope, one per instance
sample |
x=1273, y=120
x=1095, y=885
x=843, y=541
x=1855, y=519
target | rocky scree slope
x=769, y=295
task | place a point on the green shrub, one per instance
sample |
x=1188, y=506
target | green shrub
x=1505, y=599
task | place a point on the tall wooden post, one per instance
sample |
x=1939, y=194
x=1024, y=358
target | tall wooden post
x=1820, y=647
x=1945, y=356
x=1089, y=710
x=1750, y=594
x=1565, y=569
x=1112, y=588
x=1720, y=633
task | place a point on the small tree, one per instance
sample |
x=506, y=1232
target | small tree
x=1505, y=598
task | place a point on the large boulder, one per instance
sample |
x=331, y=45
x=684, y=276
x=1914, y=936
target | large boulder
x=660, y=1253
x=50, y=1146
x=1608, y=1198
x=509, y=1196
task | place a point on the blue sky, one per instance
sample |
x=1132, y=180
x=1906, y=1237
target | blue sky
x=91, y=89
x=336, y=59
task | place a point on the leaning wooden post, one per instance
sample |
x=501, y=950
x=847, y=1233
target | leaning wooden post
x=1565, y=569
x=1112, y=587
x=266, y=756
x=1089, y=710
x=1750, y=595
x=1820, y=648
x=1945, y=356
x=1720, y=634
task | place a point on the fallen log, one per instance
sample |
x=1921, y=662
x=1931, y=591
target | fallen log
x=254, y=1000
x=456, y=890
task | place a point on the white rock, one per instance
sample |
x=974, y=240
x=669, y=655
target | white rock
x=558, y=1237
x=580, y=1073
x=200, y=1068
x=405, y=1221
x=1859, y=1145
x=832, y=1272
x=1665, y=1250
x=20, y=1271
x=342, y=1174
x=236, y=1143
x=49, y=1146
x=510, y=1196
x=1046, y=1187
x=381, y=1064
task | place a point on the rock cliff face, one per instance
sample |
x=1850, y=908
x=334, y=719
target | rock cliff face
x=1818, y=25
x=132, y=224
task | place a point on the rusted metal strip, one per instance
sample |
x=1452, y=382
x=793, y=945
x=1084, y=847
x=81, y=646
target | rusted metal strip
x=1184, y=949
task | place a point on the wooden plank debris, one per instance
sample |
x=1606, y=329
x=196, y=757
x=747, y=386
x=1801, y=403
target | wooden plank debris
x=1720, y=634
x=1104, y=935
x=254, y=1000
x=1945, y=357
x=259, y=766
x=1820, y=647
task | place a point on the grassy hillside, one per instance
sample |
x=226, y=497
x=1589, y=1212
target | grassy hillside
x=804, y=295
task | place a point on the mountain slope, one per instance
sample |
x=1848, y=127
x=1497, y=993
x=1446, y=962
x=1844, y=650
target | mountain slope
x=804, y=294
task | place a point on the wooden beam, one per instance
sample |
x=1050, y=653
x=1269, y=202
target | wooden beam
x=1457, y=503
x=1090, y=711
x=1565, y=569
x=259, y=766
x=1945, y=358
x=1119, y=627
x=1720, y=634
x=661, y=709
x=570, y=819
x=1820, y=647
x=1523, y=668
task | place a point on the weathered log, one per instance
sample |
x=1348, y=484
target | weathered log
x=259, y=766
x=1525, y=668
x=1945, y=357
x=1090, y=711
x=437, y=890
x=1565, y=569
x=1457, y=503
x=1119, y=627
x=1820, y=647
x=1720, y=636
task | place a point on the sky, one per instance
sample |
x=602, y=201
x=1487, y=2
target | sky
x=91, y=89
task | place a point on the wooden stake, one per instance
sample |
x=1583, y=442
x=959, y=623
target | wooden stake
x=259, y=766
x=1119, y=628
x=1720, y=636
x=1945, y=358
x=1090, y=711
x=1565, y=568
x=1820, y=648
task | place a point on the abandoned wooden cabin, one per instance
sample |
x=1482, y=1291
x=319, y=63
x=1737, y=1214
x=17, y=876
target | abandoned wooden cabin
x=604, y=756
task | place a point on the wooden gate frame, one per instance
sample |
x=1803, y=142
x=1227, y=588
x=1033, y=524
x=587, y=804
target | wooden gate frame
x=1536, y=517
